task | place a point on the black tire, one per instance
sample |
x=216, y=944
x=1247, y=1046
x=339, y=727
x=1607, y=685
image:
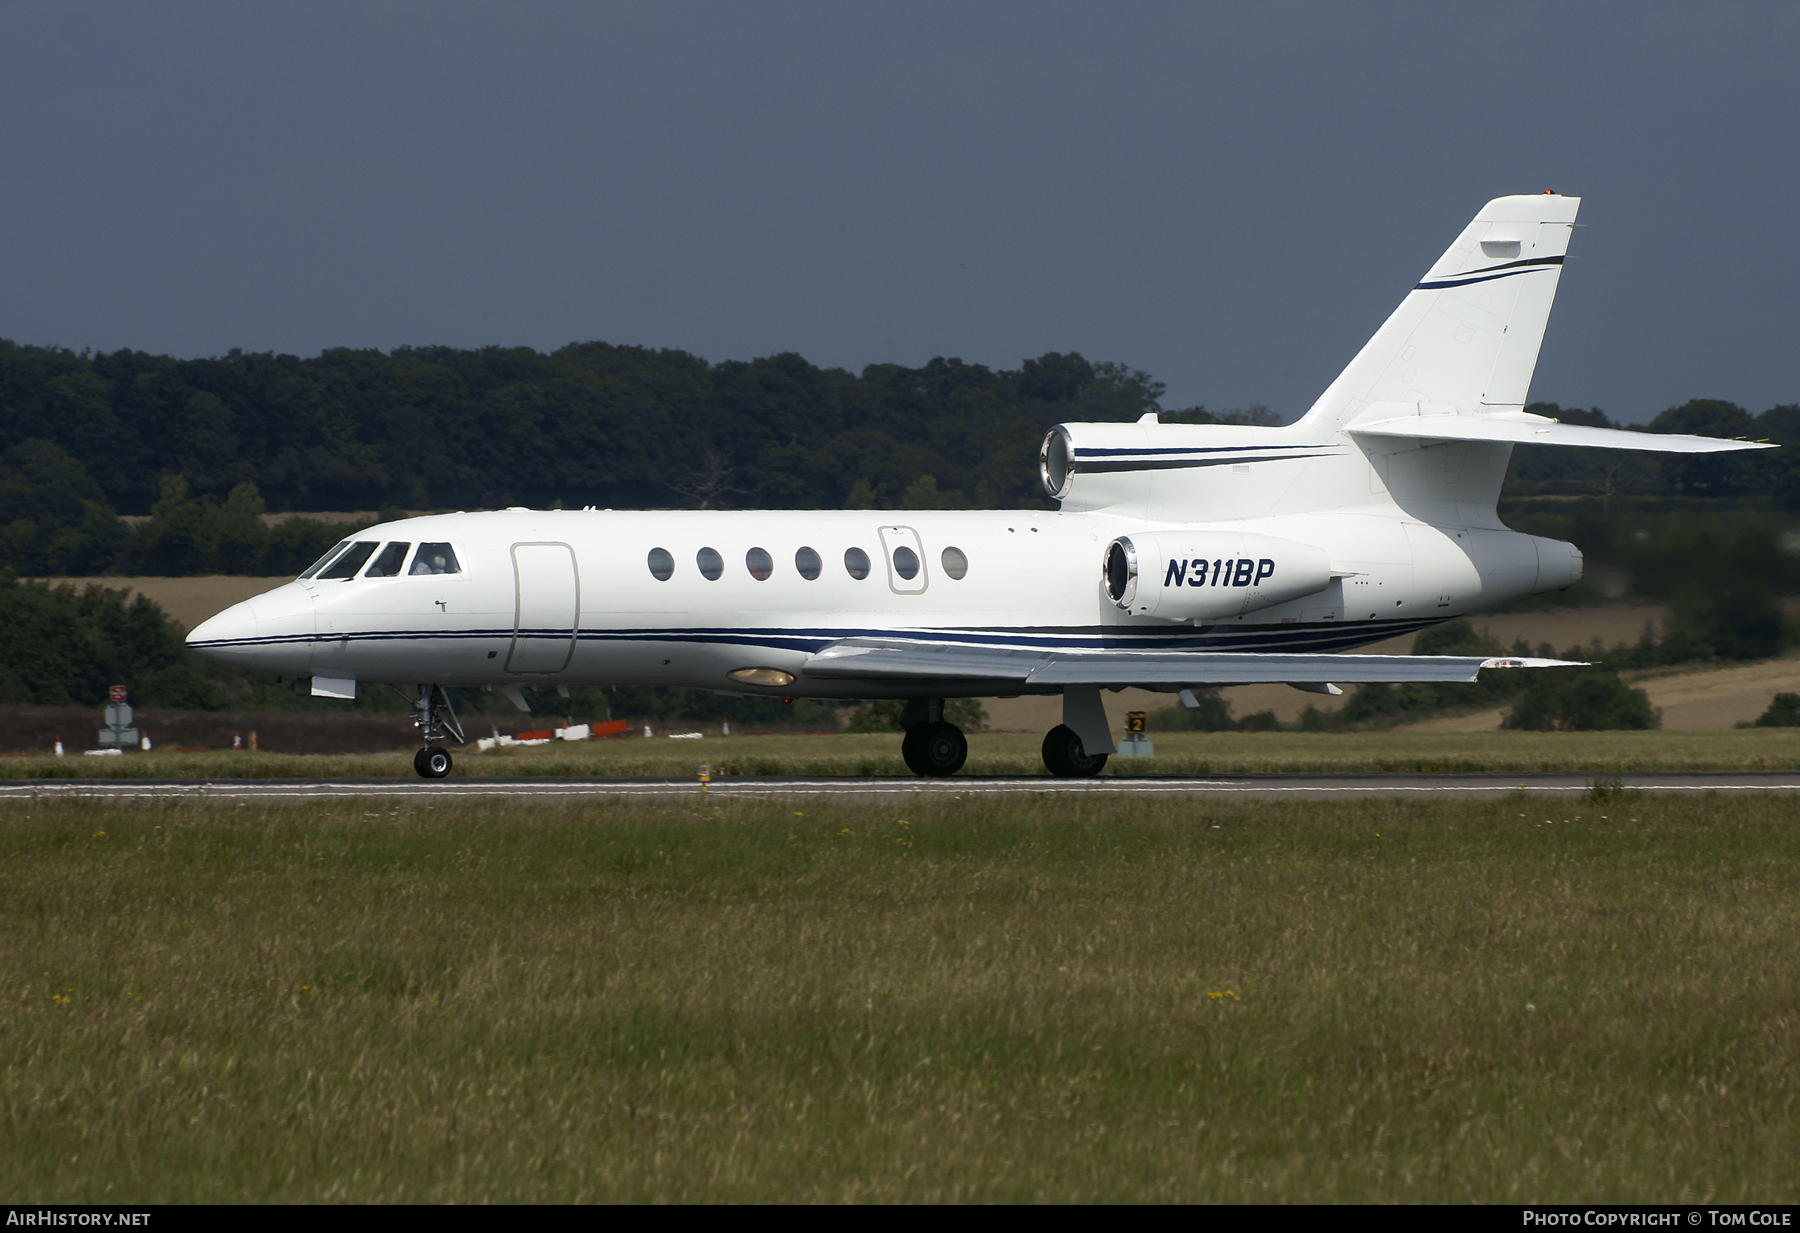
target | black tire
x=935, y=750
x=1067, y=758
x=432, y=762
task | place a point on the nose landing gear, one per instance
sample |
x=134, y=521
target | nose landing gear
x=436, y=720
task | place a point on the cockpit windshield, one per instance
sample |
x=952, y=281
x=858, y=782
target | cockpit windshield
x=388, y=564
x=319, y=564
x=346, y=565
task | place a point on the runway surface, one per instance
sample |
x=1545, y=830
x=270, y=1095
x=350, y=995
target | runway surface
x=1218, y=786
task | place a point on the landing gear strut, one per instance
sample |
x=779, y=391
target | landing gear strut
x=436, y=720
x=933, y=747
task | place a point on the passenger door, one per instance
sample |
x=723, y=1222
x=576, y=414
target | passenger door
x=548, y=593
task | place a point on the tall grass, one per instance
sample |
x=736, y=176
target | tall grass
x=999, y=753
x=1020, y=998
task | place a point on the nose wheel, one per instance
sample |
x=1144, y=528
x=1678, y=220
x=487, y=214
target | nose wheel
x=436, y=720
x=432, y=762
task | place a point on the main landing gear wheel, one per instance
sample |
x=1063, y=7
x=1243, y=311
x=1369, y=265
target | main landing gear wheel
x=432, y=762
x=935, y=749
x=1066, y=757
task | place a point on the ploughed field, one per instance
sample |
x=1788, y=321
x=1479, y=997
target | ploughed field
x=992, y=753
x=1015, y=998
x=188, y=601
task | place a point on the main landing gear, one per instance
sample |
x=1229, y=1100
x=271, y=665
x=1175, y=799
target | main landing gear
x=1067, y=757
x=436, y=720
x=1077, y=748
x=933, y=747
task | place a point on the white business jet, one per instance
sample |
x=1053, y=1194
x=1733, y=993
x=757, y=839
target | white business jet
x=1182, y=555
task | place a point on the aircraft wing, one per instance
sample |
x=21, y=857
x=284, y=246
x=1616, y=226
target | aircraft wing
x=1525, y=429
x=886, y=660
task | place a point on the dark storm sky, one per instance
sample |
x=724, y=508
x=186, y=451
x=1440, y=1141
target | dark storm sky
x=1230, y=197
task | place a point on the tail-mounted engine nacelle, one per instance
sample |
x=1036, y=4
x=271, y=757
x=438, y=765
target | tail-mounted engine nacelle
x=1209, y=575
x=1122, y=466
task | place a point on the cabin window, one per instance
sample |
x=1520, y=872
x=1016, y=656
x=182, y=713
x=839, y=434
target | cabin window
x=807, y=562
x=320, y=563
x=345, y=567
x=662, y=564
x=711, y=563
x=956, y=564
x=906, y=562
x=759, y=563
x=435, y=559
x=856, y=561
x=387, y=565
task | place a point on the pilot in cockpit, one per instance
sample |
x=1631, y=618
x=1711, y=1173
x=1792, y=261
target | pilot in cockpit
x=434, y=559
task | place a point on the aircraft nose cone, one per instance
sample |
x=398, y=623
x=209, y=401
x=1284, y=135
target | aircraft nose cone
x=271, y=633
x=227, y=636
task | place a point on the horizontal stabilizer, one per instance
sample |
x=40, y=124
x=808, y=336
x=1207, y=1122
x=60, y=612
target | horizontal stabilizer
x=1521, y=429
x=872, y=660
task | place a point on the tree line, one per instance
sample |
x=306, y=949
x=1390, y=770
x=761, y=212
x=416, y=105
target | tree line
x=199, y=450
x=590, y=424
x=1770, y=475
x=203, y=447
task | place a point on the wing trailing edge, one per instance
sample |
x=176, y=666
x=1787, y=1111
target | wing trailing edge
x=893, y=661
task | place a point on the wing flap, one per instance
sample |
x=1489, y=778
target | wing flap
x=929, y=661
x=1222, y=668
x=867, y=659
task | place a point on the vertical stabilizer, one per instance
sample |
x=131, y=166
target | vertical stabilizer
x=1466, y=338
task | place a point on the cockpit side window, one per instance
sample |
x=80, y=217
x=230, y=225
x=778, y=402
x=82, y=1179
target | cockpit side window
x=320, y=563
x=388, y=563
x=435, y=559
x=346, y=565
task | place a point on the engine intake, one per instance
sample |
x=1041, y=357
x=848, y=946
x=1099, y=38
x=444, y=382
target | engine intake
x=1056, y=463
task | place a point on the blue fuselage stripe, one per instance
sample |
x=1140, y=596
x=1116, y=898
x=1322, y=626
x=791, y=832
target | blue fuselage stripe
x=1330, y=634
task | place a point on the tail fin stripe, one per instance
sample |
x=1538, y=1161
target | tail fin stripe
x=1526, y=266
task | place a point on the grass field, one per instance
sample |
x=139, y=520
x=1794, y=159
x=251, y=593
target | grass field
x=998, y=753
x=1016, y=999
